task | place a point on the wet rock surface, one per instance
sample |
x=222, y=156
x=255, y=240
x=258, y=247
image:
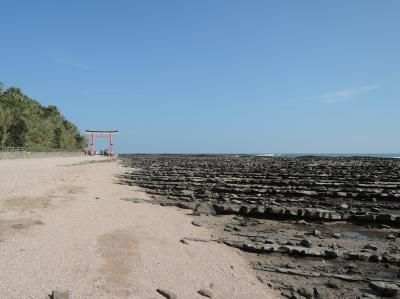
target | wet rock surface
x=312, y=227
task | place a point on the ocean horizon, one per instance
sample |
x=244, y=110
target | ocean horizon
x=293, y=155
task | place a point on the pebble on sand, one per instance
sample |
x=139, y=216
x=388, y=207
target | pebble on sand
x=197, y=222
x=205, y=293
x=183, y=241
x=60, y=295
x=166, y=294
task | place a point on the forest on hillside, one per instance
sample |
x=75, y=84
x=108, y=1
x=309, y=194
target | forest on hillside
x=24, y=122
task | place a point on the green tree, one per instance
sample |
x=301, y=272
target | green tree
x=52, y=111
x=25, y=122
x=18, y=133
x=5, y=123
x=57, y=141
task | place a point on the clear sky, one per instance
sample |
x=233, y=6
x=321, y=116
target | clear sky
x=213, y=75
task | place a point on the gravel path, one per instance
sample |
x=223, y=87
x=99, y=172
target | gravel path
x=66, y=228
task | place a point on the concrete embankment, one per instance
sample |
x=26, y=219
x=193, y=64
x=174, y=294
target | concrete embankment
x=29, y=155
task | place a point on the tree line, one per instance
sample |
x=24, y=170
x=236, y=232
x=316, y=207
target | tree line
x=24, y=122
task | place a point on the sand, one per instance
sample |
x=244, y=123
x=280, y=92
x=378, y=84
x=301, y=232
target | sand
x=63, y=226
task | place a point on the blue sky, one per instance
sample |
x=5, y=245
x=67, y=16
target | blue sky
x=213, y=76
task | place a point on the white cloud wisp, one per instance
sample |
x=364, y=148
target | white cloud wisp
x=347, y=94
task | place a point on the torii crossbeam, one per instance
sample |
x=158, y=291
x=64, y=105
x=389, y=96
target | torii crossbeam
x=94, y=133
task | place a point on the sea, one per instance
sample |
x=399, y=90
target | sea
x=374, y=155
x=289, y=155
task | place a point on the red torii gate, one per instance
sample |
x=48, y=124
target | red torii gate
x=93, y=134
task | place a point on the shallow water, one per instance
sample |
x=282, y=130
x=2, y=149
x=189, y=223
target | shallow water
x=352, y=231
x=354, y=235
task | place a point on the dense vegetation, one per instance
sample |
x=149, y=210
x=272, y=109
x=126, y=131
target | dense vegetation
x=24, y=122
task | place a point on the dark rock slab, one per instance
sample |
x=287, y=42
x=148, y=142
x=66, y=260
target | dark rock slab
x=384, y=288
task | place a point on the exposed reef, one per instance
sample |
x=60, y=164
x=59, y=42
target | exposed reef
x=313, y=227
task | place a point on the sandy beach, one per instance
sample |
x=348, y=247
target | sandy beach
x=65, y=226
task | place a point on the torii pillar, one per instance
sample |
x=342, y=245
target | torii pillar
x=92, y=145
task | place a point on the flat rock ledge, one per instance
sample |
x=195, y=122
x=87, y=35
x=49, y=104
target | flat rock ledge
x=278, y=212
x=320, y=252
